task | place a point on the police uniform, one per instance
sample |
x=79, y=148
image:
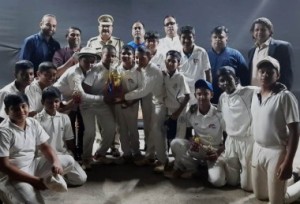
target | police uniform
x=97, y=43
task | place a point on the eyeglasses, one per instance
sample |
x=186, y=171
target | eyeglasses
x=170, y=23
x=74, y=35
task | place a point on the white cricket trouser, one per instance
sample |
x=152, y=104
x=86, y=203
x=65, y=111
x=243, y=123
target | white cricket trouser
x=237, y=158
x=76, y=176
x=129, y=135
x=107, y=125
x=21, y=192
x=265, y=162
x=185, y=162
x=158, y=132
x=146, y=105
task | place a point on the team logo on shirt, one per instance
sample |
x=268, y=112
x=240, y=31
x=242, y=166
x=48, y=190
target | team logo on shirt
x=212, y=126
x=196, y=61
x=130, y=81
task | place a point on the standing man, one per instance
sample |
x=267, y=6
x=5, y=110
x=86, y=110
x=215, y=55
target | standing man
x=105, y=37
x=138, y=34
x=171, y=41
x=221, y=55
x=194, y=63
x=63, y=58
x=41, y=46
x=262, y=31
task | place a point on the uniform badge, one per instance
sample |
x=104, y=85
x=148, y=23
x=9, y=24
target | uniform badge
x=196, y=61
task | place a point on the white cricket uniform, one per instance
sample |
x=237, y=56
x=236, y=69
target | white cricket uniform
x=20, y=146
x=34, y=94
x=210, y=128
x=167, y=43
x=59, y=129
x=6, y=90
x=235, y=108
x=153, y=83
x=194, y=67
x=99, y=111
x=71, y=81
x=127, y=117
x=270, y=119
x=159, y=60
x=176, y=89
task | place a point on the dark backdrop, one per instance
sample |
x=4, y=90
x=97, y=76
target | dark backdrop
x=19, y=19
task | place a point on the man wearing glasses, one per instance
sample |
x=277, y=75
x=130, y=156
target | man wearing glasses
x=171, y=41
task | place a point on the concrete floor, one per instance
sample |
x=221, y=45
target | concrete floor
x=129, y=184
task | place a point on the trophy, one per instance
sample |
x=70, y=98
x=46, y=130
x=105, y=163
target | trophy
x=114, y=85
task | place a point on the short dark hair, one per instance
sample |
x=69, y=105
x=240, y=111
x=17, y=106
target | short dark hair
x=143, y=50
x=15, y=100
x=45, y=66
x=169, y=16
x=264, y=21
x=50, y=92
x=226, y=71
x=72, y=28
x=138, y=21
x=175, y=54
x=219, y=29
x=23, y=65
x=109, y=48
x=128, y=47
x=151, y=35
x=187, y=30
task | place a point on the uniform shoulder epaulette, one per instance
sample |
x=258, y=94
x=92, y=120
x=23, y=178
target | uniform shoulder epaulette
x=93, y=38
x=193, y=108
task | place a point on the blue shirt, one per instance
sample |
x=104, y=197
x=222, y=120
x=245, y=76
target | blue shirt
x=134, y=45
x=228, y=57
x=37, y=50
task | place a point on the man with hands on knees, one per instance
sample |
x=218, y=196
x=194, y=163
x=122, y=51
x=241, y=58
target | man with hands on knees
x=24, y=174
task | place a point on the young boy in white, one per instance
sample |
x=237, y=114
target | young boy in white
x=151, y=42
x=177, y=93
x=96, y=83
x=127, y=114
x=153, y=83
x=46, y=77
x=20, y=137
x=235, y=104
x=70, y=84
x=24, y=75
x=276, y=133
x=208, y=126
x=58, y=127
x=194, y=63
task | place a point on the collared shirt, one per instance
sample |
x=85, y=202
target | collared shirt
x=260, y=53
x=209, y=127
x=159, y=60
x=152, y=83
x=167, y=43
x=6, y=90
x=70, y=81
x=62, y=56
x=37, y=50
x=134, y=45
x=20, y=145
x=131, y=79
x=271, y=117
x=236, y=112
x=58, y=128
x=34, y=94
x=193, y=67
x=176, y=89
x=228, y=57
x=97, y=43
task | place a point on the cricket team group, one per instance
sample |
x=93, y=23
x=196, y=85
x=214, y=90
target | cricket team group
x=236, y=121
